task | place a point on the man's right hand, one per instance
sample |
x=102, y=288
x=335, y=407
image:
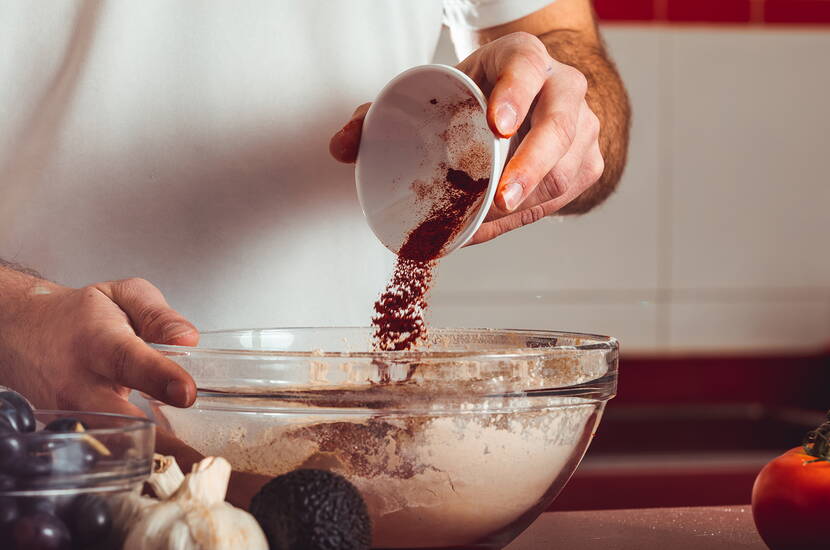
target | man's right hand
x=84, y=349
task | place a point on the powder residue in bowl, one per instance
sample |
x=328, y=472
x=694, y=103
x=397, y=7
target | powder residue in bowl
x=429, y=480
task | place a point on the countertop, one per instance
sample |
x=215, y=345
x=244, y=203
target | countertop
x=712, y=528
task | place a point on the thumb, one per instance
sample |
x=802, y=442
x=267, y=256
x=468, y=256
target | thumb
x=345, y=143
x=151, y=316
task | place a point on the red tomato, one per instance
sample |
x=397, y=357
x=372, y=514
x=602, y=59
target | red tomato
x=791, y=502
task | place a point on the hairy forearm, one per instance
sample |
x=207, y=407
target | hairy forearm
x=15, y=290
x=16, y=285
x=12, y=266
x=607, y=98
x=18, y=288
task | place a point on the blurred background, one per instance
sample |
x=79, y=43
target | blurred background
x=710, y=263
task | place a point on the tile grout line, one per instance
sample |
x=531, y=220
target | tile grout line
x=632, y=295
x=661, y=10
x=664, y=191
x=756, y=12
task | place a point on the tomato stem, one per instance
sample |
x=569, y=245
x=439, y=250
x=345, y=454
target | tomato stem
x=817, y=442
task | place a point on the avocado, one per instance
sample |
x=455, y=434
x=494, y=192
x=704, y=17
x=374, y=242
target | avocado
x=312, y=510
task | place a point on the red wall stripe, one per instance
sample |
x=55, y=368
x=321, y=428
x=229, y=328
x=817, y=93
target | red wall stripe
x=756, y=12
x=708, y=11
x=631, y=10
x=797, y=11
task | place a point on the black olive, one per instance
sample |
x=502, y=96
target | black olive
x=34, y=505
x=40, y=531
x=73, y=457
x=36, y=460
x=6, y=483
x=89, y=519
x=9, y=416
x=12, y=451
x=8, y=510
x=25, y=415
x=66, y=425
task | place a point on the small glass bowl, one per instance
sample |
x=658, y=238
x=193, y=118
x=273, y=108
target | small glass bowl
x=461, y=443
x=109, y=460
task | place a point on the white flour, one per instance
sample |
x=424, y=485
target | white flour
x=431, y=480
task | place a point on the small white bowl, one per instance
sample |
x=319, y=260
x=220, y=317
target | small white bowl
x=425, y=120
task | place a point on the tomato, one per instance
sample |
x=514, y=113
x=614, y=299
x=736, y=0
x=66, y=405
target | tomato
x=791, y=501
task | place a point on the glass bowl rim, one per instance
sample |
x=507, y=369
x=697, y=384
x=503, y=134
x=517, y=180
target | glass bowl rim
x=136, y=423
x=597, y=342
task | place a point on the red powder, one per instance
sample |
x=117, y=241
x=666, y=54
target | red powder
x=399, y=320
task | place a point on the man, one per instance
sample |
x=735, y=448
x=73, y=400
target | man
x=185, y=142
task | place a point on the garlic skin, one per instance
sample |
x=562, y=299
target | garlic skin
x=196, y=516
x=126, y=510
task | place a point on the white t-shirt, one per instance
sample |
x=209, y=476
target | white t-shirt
x=186, y=142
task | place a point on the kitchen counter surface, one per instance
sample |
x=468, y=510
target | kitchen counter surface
x=712, y=528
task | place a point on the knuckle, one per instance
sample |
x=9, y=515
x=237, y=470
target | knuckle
x=523, y=37
x=504, y=225
x=595, y=168
x=152, y=317
x=593, y=124
x=576, y=79
x=531, y=215
x=563, y=126
x=89, y=301
x=532, y=62
x=531, y=49
x=91, y=292
x=135, y=284
x=89, y=295
x=558, y=181
x=154, y=323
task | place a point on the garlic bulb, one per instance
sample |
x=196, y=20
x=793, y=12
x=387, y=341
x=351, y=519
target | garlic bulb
x=195, y=516
x=127, y=509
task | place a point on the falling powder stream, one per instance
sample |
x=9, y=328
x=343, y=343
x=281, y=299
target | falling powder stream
x=399, y=312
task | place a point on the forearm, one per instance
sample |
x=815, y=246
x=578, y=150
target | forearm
x=17, y=286
x=12, y=266
x=16, y=290
x=607, y=98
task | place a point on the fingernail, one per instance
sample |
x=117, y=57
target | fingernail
x=352, y=124
x=178, y=392
x=512, y=195
x=506, y=119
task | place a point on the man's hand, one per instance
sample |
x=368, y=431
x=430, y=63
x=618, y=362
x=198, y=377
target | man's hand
x=570, y=136
x=84, y=349
x=558, y=156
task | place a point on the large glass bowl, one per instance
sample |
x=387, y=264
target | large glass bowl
x=461, y=443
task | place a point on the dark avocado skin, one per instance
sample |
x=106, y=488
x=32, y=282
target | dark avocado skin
x=312, y=510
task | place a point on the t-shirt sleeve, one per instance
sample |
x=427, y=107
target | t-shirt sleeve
x=480, y=14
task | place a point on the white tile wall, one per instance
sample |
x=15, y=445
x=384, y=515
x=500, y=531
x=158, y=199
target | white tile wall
x=715, y=240
x=761, y=325
x=749, y=149
x=633, y=323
